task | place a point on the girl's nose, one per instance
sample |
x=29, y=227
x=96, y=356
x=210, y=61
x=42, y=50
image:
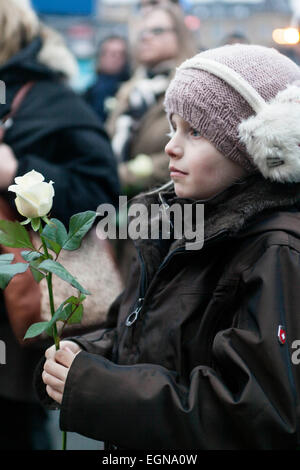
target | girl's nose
x=173, y=149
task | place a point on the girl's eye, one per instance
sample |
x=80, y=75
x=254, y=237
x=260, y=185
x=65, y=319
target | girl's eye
x=195, y=133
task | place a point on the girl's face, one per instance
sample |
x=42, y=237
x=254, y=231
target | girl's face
x=198, y=169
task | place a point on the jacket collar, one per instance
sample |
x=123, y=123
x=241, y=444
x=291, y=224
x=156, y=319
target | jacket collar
x=245, y=207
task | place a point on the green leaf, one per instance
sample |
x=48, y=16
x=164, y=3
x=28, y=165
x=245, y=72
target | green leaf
x=72, y=300
x=38, y=276
x=13, y=234
x=74, y=313
x=52, y=245
x=31, y=255
x=79, y=225
x=5, y=259
x=75, y=300
x=46, y=220
x=55, y=235
x=59, y=314
x=34, y=258
x=36, y=329
x=35, y=224
x=56, y=268
x=8, y=271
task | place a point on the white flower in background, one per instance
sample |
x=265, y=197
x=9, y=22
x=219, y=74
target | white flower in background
x=141, y=165
x=34, y=197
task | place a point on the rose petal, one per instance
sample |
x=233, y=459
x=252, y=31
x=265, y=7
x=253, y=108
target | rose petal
x=30, y=178
x=26, y=207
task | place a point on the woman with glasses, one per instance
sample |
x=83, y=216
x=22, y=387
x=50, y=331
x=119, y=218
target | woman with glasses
x=138, y=125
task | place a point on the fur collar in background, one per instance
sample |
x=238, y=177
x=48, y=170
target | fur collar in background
x=54, y=54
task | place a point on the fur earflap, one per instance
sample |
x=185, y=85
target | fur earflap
x=272, y=137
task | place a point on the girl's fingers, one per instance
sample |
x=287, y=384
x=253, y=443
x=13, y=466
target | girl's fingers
x=64, y=357
x=56, y=396
x=54, y=383
x=56, y=370
x=50, y=352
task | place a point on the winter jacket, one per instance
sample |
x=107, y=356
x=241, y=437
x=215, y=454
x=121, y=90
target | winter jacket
x=55, y=133
x=208, y=361
x=105, y=86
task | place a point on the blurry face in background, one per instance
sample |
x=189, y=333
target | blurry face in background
x=157, y=41
x=148, y=4
x=112, y=57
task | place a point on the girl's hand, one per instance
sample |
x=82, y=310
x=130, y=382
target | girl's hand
x=8, y=166
x=56, y=369
x=64, y=344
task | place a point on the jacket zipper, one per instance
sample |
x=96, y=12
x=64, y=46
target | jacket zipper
x=139, y=303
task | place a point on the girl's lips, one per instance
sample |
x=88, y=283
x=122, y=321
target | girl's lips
x=175, y=172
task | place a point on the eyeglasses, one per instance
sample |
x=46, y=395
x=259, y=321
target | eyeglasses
x=153, y=3
x=158, y=31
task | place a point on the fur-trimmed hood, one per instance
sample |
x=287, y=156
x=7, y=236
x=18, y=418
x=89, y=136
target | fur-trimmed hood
x=54, y=53
x=45, y=55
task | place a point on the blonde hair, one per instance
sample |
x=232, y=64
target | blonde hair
x=18, y=27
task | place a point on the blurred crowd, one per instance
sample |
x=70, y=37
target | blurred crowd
x=107, y=142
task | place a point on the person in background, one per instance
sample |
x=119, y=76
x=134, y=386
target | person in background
x=235, y=38
x=57, y=134
x=144, y=5
x=112, y=69
x=138, y=125
x=292, y=52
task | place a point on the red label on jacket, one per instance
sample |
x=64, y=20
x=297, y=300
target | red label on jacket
x=281, y=334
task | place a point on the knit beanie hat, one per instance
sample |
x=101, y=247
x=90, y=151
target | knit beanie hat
x=242, y=99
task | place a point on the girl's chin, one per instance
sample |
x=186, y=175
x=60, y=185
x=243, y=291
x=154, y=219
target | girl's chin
x=181, y=192
x=188, y=194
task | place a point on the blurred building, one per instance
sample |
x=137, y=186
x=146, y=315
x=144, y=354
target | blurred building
x=255, y=19
x=84, y=23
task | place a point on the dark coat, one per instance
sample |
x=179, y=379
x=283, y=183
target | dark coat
x=105, y=86
x=55, y=133
x=202, y=367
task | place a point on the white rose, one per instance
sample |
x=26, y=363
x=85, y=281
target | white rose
x=34, y=196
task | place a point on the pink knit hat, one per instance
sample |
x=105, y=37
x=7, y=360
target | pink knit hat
x=218, y=90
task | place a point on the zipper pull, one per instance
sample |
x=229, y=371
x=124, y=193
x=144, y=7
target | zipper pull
x=132, y=317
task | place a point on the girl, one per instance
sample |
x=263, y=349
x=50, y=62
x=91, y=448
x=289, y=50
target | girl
x=200, y=350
